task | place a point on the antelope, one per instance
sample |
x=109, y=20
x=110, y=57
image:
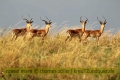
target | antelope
x=95, y=33
x=22, y=31
x=42, y=32
x=77, y=32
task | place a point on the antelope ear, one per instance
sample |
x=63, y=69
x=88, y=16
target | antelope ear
x=31, y=21
x=100, y=22
x=86, y=21
x=105, y=22
x=46, y=22
x=27, y=21
x=81, y=21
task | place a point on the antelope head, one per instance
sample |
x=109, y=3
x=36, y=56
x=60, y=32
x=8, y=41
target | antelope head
x=48, y=23
x=29, y=22
x=83, y=23
x=102, y=23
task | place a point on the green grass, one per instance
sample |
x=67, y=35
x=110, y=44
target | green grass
x=53, y=52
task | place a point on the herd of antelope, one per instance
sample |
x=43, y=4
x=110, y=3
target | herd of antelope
x=72, y=33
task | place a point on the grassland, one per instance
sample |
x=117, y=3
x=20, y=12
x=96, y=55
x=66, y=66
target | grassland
x=53, y=52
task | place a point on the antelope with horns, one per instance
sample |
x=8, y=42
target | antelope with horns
x=95, y=33
x=22, y=31
x=42, y=32
x=77, y=32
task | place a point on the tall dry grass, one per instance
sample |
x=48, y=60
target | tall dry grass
x=53, y=52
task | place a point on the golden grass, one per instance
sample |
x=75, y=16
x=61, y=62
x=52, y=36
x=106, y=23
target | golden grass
x=53, y=52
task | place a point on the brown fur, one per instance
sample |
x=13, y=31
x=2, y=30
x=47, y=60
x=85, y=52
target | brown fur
x=21, y=32
x=39, y=33
x=92, y=33
x=77, y=32
x=95, y=33
x=18, y=32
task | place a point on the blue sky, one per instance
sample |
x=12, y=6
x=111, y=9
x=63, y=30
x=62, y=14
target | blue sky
x=59, y=11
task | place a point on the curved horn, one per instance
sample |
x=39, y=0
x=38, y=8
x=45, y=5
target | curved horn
x=24, y=18
x=49, y=20
x=80, y=18
x=30, y=17
x=86, y=18
x=104, y=18
x=44, y=21
x=98, y=20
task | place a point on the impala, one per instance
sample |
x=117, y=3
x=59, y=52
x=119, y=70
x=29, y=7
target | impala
x=95, y=33
x=22, y=31
x=42, y=32
x=77, y=32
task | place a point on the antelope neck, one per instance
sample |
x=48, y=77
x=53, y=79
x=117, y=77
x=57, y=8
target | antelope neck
x=102, y=28
x=83, y=27
x=47, y=28
x=28, y=28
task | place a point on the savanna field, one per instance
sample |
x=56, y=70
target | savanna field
x=53, y=52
